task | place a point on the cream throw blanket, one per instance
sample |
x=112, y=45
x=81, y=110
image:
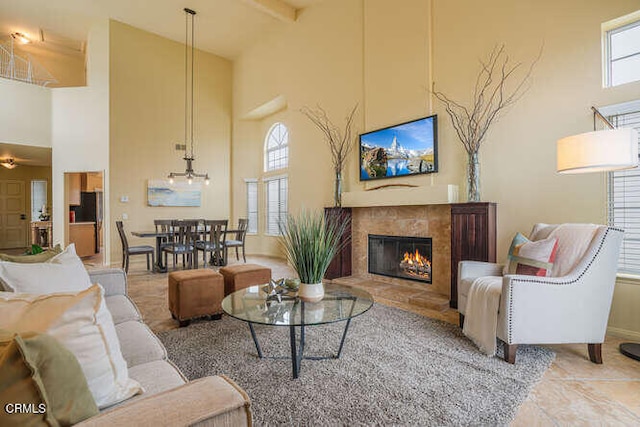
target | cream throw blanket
x=481, y=317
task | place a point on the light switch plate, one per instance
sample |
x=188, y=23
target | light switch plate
x=125, y=216
x=124, y=199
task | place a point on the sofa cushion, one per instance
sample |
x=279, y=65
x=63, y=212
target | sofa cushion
x=122, y=309
x=80, y=323
x=139, y=345
x=37, y=369
x=157, y=376
x=62, y=273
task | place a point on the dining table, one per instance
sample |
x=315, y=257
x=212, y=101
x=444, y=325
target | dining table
x=160, y=237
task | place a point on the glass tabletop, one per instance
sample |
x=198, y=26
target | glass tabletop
x=339, y=303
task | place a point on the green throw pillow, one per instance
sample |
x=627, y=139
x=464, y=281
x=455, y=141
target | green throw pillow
x=29, y=259
x=41, y=383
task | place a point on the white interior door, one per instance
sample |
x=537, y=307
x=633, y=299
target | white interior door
x=13, y=218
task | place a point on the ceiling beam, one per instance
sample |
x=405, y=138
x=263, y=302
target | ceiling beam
x=276, y=8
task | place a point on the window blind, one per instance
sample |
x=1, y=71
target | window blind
x=252, y=207
x=624, y=202
x=276, y=189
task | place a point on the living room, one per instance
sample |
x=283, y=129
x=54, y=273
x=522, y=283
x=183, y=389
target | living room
x=382, y=56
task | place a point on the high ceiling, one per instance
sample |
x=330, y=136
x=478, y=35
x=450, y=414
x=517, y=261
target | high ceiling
x=223, y=27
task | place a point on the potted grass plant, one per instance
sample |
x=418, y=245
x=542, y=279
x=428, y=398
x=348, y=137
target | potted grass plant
x=310, y=241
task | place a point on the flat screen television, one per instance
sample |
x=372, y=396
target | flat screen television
x=406, y=149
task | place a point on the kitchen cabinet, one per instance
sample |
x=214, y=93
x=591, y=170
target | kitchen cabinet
x=83, y=234
x=92, y=181
x=75, y=187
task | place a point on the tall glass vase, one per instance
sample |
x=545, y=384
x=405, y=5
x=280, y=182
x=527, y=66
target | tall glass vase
x=473, y=178
x=337, y=191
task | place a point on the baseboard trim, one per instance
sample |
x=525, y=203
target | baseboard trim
x=624, y=333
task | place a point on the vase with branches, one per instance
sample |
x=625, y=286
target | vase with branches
x=339, y=142
x=499, y=85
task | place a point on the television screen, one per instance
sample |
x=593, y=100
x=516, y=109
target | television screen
x=406, y=149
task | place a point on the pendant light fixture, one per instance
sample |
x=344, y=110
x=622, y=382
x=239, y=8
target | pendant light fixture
x=188, y=104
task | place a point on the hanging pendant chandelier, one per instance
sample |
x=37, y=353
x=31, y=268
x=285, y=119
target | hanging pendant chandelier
x=188, y=104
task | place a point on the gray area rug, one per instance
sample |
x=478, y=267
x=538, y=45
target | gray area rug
x=397, y=368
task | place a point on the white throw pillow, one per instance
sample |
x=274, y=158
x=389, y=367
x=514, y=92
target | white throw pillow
x=62, y=273
x=74, y=320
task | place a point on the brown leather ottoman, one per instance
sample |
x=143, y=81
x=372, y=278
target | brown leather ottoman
x=242, y=276
x=195, y=293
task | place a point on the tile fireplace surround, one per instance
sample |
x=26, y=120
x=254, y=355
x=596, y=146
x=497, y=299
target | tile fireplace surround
x=413, y=221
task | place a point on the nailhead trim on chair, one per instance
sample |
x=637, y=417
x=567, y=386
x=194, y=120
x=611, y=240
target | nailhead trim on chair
x=510, y=315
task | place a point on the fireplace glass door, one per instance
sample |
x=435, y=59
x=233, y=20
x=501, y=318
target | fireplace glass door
x=402, y=257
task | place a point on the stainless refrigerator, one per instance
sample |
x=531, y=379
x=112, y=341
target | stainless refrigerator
x=91, y=210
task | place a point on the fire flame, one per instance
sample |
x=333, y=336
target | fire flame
x=416, y=259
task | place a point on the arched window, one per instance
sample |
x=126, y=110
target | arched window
x=276, y=148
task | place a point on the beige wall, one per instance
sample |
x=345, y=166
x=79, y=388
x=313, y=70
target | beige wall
x=147, y=120
x=382, y=55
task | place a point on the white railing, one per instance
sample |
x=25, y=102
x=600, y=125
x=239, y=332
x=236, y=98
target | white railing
x=15, y=67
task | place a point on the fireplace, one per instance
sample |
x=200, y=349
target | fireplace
x=402, y=257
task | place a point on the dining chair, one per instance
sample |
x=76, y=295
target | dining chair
x=127, y=250
x=213, y=232
x=238, y=240
x=184, y=234
x=164, y=226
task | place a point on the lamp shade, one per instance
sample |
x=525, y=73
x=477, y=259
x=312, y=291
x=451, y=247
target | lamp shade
x=599, y=151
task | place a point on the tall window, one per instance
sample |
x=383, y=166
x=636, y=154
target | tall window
x=624, y=193
x=622, y=50
x=276, y=148
x=38, y=199
x=276, y=189
x=252, y=205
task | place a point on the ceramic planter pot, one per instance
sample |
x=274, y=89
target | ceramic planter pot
x=311, y=292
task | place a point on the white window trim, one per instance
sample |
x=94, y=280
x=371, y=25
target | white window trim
x=606, y=28
x=253, y=181
x=267, y=150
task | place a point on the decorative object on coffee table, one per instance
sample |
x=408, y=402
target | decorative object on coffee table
x=339, y=143
x=492, y=94
x=310, y=241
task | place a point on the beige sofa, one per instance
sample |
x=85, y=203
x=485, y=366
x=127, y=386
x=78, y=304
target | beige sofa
x=169, y=399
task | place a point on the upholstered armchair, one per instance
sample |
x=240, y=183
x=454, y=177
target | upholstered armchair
x=570, y=306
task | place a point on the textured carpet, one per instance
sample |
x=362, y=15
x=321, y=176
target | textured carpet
x=397, y=368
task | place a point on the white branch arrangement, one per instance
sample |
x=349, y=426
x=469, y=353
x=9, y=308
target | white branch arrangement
x=491, y=97
x=339, y=142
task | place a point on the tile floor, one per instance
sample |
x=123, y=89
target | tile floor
x=574, y=391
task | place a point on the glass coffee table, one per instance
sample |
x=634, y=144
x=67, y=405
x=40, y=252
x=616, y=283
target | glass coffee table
x=340, y=303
